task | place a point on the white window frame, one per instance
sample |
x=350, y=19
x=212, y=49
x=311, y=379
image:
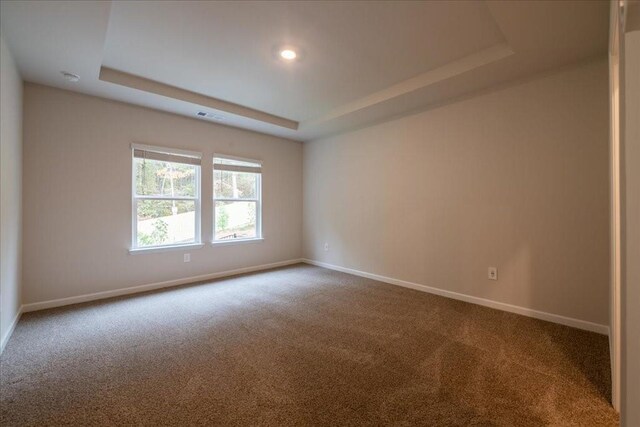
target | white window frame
x=257, y=200
x=197, y=243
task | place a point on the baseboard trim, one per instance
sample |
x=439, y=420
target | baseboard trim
x=12, y=327
x=151, y=286
x=549, y=317
x=555, y=318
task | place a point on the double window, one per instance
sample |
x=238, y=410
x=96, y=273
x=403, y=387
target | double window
x=166, y=198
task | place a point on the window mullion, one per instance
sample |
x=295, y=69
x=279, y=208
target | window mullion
x=236, y=200
x=169, y=198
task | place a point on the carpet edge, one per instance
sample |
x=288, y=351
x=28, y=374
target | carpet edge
x=528, y=312
x=42, y=305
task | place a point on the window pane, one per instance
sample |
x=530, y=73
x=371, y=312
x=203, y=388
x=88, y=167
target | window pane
x=235, y=220
x=235, y=185
x=166, y=222
x=156, y=178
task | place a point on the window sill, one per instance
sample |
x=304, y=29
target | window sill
x=155, y=249
x=236, y=241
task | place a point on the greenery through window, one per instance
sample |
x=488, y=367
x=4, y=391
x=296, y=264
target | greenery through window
x=166, y=199
x=236, y=194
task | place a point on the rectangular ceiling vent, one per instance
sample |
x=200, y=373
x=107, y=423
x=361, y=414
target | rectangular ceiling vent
x=209, y=115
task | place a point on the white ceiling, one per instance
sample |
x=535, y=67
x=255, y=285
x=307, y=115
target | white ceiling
x=362, y=61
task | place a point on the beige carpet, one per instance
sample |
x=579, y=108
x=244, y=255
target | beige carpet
x=300, y=346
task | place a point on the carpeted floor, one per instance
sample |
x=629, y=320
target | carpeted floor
x=300, y=346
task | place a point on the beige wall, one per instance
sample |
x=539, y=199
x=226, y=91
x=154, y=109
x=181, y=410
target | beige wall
x=77, y=195
x=631, y=233
x=10, y=190
x=516, y=179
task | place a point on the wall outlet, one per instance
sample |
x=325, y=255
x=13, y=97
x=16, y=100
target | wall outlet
x=187, y=257
x=326, y=246
x=493, y=273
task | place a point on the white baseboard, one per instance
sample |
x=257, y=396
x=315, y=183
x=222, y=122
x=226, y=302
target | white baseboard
x=151, y=286
x=555, y=318
x=7, y=334
x=549, y=317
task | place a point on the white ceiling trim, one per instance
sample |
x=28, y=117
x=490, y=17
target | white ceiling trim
x=140, y=83
x=452, y=69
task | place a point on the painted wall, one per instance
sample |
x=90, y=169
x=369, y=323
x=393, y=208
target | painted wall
x=77, y=195
x=630, y=415
x=517, y=179
x=10, y=190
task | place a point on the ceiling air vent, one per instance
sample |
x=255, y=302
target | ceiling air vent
x=209, y=115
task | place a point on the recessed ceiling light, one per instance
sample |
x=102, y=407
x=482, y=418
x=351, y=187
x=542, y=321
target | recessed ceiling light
x=288, y=54
x=70, y=77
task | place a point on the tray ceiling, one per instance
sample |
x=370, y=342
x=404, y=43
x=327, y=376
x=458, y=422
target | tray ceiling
x=361, y=62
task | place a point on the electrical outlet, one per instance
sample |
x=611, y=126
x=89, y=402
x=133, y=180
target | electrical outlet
x=187, y=257
x=326, y=246
x=493, y=273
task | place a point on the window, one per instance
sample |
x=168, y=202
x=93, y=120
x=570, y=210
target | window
x=236, y=198
x=166, y=197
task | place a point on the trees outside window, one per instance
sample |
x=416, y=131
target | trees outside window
x=166, y=197
x=237, y=191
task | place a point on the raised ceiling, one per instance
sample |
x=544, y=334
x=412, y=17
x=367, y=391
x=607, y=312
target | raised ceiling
x=361, y=62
